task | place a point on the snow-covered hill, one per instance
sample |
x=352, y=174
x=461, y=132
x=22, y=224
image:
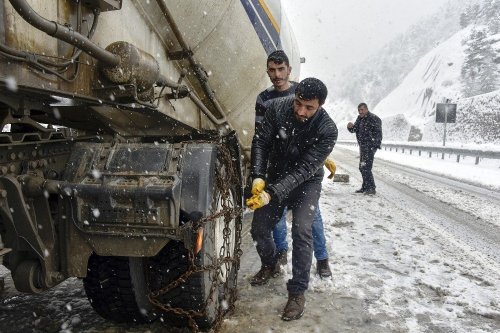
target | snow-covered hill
x=460, y=67
x=342, y=111
x=436, y=79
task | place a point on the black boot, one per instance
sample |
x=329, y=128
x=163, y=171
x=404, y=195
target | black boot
x=263, y=276
x=265, y=273
x=282, y=258
x=323, y=268
x=294, y=308
x=370, y=191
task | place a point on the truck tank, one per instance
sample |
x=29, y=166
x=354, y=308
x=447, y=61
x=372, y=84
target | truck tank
x=125, y=129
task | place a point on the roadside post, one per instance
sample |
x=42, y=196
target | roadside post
x=446, y=113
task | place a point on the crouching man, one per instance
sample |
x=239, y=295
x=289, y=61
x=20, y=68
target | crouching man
x=288, y=152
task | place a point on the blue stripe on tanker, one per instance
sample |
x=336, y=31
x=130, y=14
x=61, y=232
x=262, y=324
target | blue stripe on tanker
x=268, y=24
x=266, y=38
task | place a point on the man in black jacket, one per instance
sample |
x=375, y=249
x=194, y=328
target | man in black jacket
x=288, y=150
x=279, y=69
x=368, y=129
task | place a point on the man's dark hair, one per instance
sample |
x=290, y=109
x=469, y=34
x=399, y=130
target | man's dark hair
x=278, y=57
x=311, y=88
x=362, y=105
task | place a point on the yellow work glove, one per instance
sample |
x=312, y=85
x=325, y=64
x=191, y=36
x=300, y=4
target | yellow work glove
x=258, y=185
x=258, y=200
x=330, y=165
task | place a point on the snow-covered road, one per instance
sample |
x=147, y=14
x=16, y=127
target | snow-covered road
x=423, y=255
x=465, y=215
x=420, y=256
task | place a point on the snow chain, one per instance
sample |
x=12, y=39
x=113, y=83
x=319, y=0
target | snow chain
x=223, y=183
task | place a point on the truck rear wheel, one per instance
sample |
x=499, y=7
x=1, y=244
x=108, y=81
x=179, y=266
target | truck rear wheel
x=117, y=290
x=188, y=288
x=208, y=290
x=118, y=287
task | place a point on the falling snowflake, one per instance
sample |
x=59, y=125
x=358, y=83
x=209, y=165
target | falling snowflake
x=11, y=83
x=56, y=113
x=96, y=174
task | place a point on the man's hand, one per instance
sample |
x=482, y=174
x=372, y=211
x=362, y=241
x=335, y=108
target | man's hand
x=258, y=200
x=330, y=165
x=350, y=125
x=258, y=185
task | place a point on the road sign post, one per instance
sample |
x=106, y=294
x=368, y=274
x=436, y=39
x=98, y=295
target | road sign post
x=446, y=113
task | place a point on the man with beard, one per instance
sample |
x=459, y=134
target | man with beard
x=279, y=69
x=288, y=151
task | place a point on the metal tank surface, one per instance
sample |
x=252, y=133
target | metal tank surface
x=126, y=125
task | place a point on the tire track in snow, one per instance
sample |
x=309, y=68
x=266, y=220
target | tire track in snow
x=477, y=238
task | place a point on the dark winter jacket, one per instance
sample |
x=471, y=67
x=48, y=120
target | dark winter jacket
x=368, y=131
x=265, y=98
x=290, y=152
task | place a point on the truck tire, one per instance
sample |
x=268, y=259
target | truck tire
x=210, y=293
x=118, y=287
x=117, y=290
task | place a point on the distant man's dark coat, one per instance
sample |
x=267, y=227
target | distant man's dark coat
x=368, y=130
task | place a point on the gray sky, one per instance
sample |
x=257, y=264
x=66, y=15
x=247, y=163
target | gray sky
x=333, y=34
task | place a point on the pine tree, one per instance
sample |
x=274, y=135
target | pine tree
x=493, y=16
x=464, y=20
x=474, y=13
x=479, y=71
x=488, y=76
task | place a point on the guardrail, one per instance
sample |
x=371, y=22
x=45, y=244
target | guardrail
x=459, y=152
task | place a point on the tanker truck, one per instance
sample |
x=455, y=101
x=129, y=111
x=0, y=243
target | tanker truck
x=126, y=127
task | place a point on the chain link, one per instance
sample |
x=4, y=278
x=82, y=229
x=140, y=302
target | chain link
x=226, y=176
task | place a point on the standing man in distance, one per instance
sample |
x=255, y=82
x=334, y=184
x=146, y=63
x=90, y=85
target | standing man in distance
x=278, y=69
x=288, y=150
x=368, y=129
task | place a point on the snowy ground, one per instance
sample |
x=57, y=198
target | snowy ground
x=394, y=268
x=423, y=255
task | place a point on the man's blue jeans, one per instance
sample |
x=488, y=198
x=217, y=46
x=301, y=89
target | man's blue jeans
x=319, y=241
